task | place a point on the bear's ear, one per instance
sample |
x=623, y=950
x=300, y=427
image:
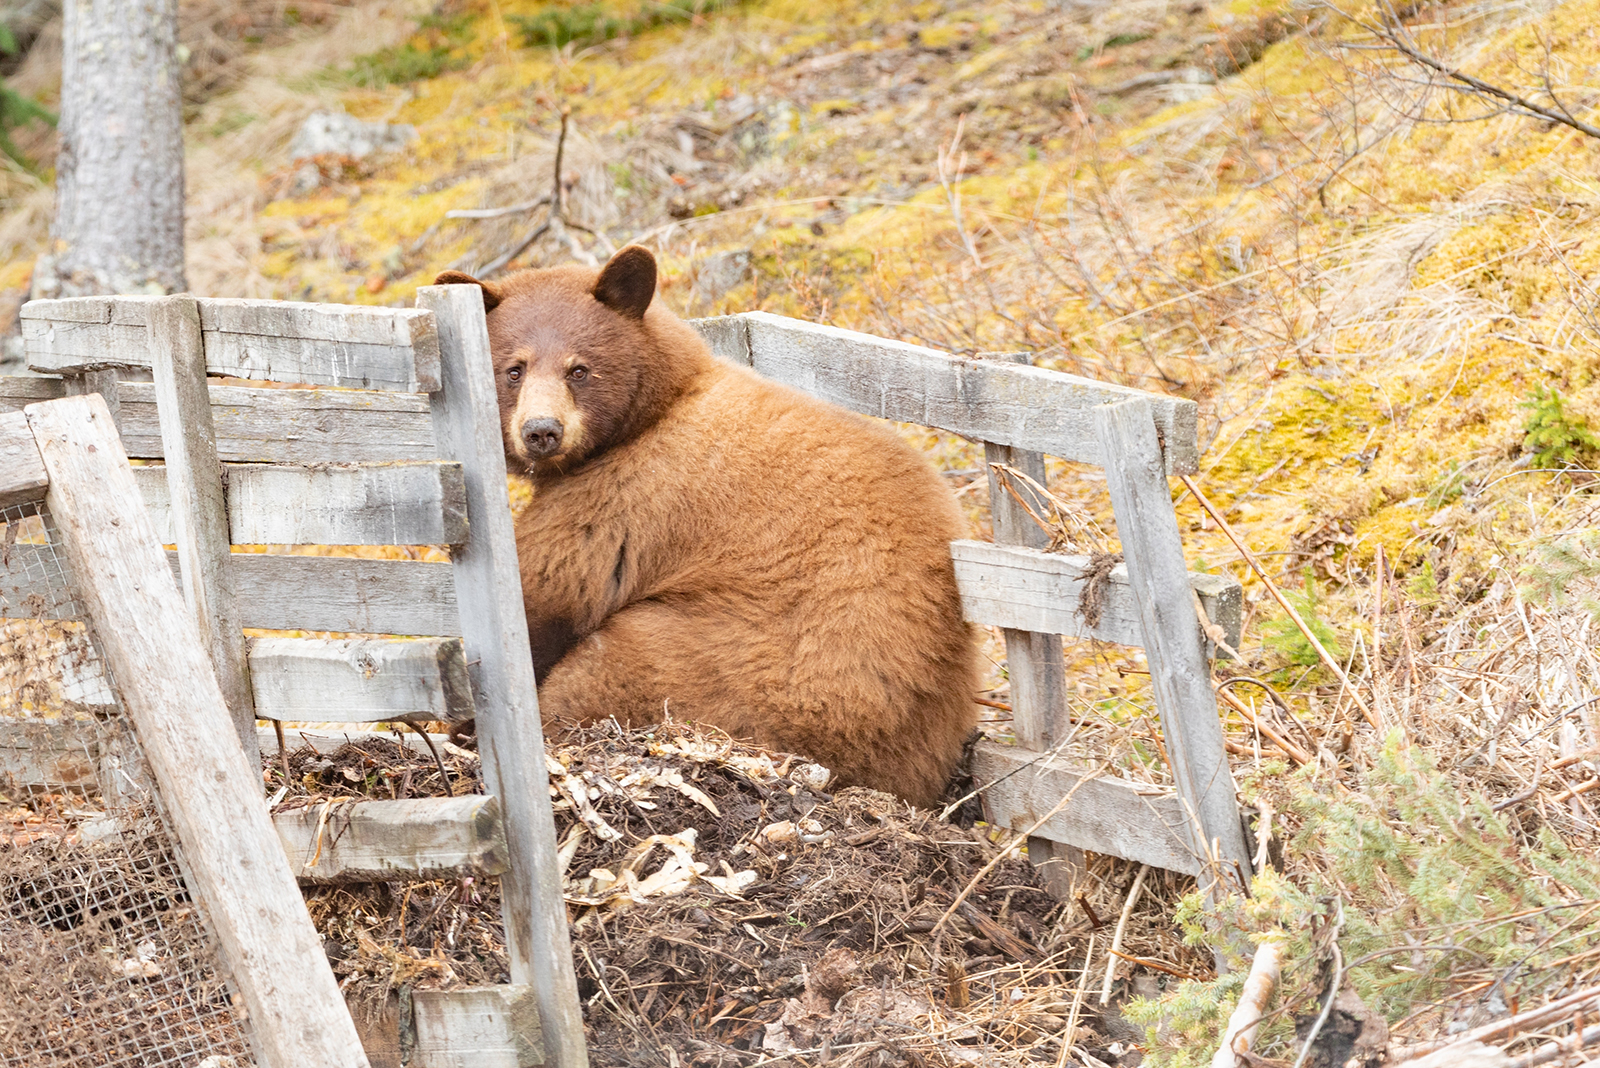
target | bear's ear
x=628, y=282
x=491, y=294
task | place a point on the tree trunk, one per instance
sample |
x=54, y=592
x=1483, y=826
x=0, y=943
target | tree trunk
x=119, y=171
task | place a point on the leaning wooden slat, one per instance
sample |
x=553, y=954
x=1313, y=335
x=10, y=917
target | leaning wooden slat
x=266, y=943
x=345, y=595
x=320, y=344
x=1024, y=407
x=476, y=1026
x=1105, y=815
x=488, y=585
x=412, y=503
x=1025, y=589
x=377, y=841
x=200, y=513
x=291, y=426
x=360, y=680
x=1180, y=674
x=19, y=390
x=22, y=477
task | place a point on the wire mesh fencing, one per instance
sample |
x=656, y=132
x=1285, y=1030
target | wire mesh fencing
x=104, y=959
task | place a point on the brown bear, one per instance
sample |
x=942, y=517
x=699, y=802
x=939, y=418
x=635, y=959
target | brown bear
x=708, y=544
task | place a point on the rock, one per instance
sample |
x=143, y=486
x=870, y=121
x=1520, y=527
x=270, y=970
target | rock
x=335, y=133
x=1353, y=1037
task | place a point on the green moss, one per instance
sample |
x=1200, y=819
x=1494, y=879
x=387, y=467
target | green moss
x=435, y=48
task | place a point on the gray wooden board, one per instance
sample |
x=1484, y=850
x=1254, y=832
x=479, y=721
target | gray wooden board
x=256, y=424
x=377, y=841
x=273, y=591
x=345, y=595
x=48, y=755
x=22, y=477
x=360, y=680
x=320, y=344
x=1105, y=815
x=466, y=425
x=266, y=943
x=987, y=400
x=1026, y=589
x=16, y=391
x=400, y=503
x=199, y=517
x=476, y=1027
x=1180, y=674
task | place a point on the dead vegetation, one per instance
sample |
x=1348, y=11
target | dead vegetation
x=727, y=908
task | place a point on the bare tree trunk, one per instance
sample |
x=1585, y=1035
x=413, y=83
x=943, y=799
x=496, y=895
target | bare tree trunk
x=119, y=172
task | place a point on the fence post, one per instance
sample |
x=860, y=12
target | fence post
x=1033, y=660
x=466, y=422
x=1180, y=676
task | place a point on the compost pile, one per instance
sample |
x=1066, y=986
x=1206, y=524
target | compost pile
x=726, y=908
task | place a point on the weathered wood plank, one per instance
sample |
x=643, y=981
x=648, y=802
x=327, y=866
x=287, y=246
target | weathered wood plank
x=345, y=595
x=1025, y=589
x=466, y=423
x=360, y=680
x=1034, y=663
x=48, y=755
x=320, y=344
x=988, y=400
x=22, y=477
x=240, y=880
x=1180, y=674
x=16, y=391
x=477, y=1027
x=342, y=595
x=1104, y=816
x=199, y=516
x=406, y=503
x=375, y=841
x=292, y=426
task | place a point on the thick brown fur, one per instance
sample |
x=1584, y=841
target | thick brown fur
x=710, y=544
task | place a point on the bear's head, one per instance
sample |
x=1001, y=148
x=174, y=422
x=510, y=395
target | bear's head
x=582, y=359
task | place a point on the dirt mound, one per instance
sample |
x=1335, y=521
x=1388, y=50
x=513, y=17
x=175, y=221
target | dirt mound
x=725, y=904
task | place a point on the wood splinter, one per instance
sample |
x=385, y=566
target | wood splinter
x=1259, y=986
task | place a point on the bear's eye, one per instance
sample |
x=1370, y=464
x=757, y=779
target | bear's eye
x=514, y=374
x=578, y=374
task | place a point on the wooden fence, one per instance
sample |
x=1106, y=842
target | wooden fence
x=407, y=451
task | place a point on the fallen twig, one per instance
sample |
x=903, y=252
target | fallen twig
x=1277, y=595
x=1122, y=926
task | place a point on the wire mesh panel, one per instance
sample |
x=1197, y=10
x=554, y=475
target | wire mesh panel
x=104, y=959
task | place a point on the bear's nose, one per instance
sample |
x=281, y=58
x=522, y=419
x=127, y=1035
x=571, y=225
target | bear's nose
x=542, y=436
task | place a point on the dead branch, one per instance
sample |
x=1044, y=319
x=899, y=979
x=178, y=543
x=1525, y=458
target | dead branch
x=1393, y=31
x=555, y=223
x=1283, y=602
